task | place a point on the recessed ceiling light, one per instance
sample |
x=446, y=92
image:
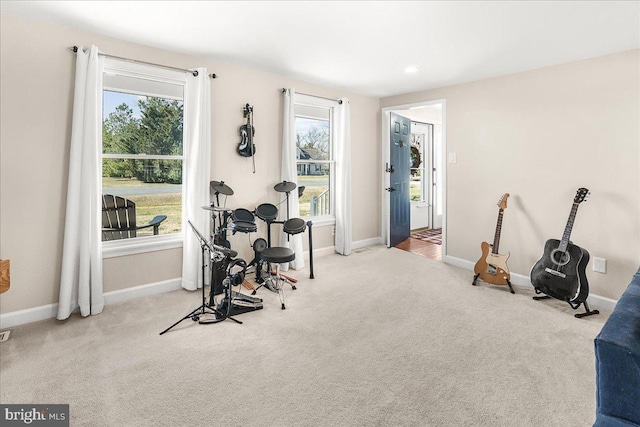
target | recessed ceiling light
x=411, y=70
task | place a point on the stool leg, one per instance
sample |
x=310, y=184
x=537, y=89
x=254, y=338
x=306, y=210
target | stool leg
x=279, y=286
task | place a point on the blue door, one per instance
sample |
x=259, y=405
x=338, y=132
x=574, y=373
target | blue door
x=400, y=162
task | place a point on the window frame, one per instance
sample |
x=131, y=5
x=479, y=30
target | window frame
x=330, y=105
x=161, y=76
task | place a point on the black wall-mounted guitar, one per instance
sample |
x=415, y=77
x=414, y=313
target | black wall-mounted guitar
x=560, y=273
x=247, y=148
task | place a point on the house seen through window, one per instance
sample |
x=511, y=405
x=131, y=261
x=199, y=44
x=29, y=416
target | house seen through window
x=142, y=146
x=314, y=160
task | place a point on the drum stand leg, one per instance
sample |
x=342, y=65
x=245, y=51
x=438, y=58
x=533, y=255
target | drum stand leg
x=202, y=309
x=261, y=281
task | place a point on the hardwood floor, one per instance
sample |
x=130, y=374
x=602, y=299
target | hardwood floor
x=419, y=247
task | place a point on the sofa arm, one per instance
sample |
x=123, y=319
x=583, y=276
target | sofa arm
x=617, y=349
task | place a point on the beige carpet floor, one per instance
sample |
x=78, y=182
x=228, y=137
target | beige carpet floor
x=380, y=338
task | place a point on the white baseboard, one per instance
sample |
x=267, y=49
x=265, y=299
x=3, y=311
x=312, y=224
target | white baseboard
x=319, y=252
x=20, y=317
x=366, y=242
x=43, y=312
x=521, y=281
x=354, y=245
x=49, y=311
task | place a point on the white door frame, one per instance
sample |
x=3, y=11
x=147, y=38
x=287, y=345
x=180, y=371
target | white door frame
x=384, y=149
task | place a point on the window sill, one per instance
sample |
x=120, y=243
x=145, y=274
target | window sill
x=138, y=245
x=322, y=221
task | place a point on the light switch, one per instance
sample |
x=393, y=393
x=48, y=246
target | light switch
x=453, y=158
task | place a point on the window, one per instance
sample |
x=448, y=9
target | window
x=142, y=143
x=315, y=156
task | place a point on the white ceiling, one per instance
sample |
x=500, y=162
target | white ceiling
x=363, y=46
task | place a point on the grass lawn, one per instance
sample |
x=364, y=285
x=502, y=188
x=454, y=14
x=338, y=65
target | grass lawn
x=305, y=200
x=150, y=205
x=170, y=204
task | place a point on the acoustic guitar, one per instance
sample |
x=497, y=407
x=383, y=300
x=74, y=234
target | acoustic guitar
x=492, y=266
x=560, y=272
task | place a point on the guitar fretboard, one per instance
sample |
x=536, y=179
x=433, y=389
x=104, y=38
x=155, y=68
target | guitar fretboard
x=496, y=238
x=567, y=230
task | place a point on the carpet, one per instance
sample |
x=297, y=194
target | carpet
x=431, y=235
x=382, y=337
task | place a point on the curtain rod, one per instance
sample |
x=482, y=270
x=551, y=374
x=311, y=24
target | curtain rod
x=194, y=72
x=339, y=101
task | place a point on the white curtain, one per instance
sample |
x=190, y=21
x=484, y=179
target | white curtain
x=197, y=129
x=343, y=177
x=81, y=275
x=289, y=173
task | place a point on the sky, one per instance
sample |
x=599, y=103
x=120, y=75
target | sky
x=303, y=124
x=112, y=99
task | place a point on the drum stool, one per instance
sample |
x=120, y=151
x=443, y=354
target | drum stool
x=277, y=255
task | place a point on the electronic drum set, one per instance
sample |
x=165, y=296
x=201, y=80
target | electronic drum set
x=226, y=271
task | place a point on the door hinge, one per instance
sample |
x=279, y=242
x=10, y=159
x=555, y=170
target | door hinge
x=389, y=169
x=390, y=189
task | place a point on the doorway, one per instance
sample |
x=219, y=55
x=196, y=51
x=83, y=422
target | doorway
x=426, y=174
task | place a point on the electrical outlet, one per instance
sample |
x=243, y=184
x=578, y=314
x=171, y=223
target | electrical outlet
x=333, y=231
x=4, y=335
x=599, y=265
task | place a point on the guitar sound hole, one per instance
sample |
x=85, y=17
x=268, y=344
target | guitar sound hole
x=559, y=257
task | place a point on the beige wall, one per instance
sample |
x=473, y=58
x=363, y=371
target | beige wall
x=540, y=135
x=537, y=135
x=37, y=72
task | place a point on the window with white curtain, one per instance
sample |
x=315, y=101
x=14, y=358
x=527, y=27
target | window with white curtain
x=315, y=161
x=143, y=149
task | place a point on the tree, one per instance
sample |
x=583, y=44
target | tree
x=315, y=141
x=158, y=131
x=118, y=137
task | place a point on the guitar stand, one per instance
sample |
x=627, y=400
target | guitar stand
x=588, y=311
x=475, y=278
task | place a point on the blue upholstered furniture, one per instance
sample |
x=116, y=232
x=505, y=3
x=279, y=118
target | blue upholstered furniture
x=618, y=362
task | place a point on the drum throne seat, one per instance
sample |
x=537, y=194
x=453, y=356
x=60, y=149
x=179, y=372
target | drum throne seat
x=277, y=255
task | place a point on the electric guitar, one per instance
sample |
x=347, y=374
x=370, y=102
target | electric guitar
x=492, y=266
x=560, y=273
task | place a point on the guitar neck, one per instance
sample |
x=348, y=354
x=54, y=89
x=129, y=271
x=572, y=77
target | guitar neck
x=496, y=238
x=564, y=243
